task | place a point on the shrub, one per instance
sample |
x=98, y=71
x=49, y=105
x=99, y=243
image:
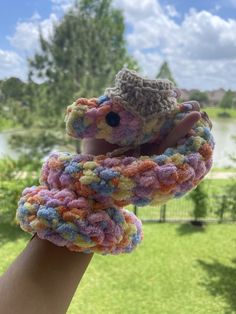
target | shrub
x=199, y=197
x=224, y=115
x=226, y=203
x=15, y=175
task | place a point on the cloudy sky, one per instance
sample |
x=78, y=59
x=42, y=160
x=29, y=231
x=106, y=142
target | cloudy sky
x=196, y=37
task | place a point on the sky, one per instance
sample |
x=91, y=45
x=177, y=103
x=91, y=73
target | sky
x=197, y=38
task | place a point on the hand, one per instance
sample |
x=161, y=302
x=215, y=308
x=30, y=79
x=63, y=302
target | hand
x=99, y=147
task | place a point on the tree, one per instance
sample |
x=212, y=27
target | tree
x=201, y=97
x=81, y=58
x=199, y=197
x=85, y=52
x=165, y=73
x=228, y=99
x=226, y=203
x=13, y=88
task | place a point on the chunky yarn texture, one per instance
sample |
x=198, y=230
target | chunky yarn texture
x=79, y=203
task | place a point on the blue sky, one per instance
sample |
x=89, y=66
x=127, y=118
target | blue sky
x=19, y=11
x=197, y=38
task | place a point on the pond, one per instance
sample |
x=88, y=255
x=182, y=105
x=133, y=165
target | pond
x=223, y=130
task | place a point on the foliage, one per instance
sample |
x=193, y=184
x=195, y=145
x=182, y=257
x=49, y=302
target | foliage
x=84, y=53
x=165, y=73
x=228, y=100
x=6, y=124
x=215, y=112
x=15, y=175
x=199, y=197
x=12, y=88
x=10, y=192
x=227, y=201
x=81, y=57
x=201, y=97
x=9, y=167
x=37, y=142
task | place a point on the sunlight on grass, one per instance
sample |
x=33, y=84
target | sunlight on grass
x=214, y=111
x=177, y=269
x=164, y=275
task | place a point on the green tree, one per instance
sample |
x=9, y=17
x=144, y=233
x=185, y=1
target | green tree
x=80, y=59
x=228, y=99
x=199, y=197
x=165, y=73
x=84, y=53
x=201, y=97
x=226, y=203
x=13, y=88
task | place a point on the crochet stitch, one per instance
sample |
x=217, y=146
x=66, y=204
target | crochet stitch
x=79, y=203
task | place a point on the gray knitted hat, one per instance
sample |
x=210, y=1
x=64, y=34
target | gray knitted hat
x=144, y=97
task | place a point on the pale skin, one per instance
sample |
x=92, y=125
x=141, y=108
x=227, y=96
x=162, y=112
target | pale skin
x=44, y=277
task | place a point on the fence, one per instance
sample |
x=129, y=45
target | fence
x=182, y=210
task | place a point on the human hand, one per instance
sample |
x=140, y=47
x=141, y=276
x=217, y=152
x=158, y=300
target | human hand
x=98, y=147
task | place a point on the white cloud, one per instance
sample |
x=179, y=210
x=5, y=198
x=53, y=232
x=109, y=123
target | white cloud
x=206, y=36
x=201, y=35
x=27, y=33
x=137, y=12
x=171, y=11
x=203, y=74
x=62, y=5
x=11, y=64
x=149, y=62
x=201, y=49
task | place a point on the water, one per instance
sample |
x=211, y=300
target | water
x=223, y=131
x=5, y=149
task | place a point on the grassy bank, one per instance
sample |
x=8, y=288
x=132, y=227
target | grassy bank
x=177, y=269
x=213, y=112
x=226, y=169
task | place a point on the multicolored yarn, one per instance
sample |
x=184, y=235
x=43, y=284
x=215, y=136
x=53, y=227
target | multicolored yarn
x=80, y=199
x=68, y=220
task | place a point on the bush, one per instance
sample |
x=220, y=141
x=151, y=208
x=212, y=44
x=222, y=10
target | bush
x=224, y=115
x=199, y=197
x=10, y=192
x=201, y=97
x=226, y=203
x=15, y=175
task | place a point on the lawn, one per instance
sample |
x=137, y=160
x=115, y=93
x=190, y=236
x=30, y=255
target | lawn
x=214, y=111
x=226, y=169
x=177, y=269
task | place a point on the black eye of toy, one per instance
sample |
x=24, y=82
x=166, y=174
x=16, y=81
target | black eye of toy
x=113, y=119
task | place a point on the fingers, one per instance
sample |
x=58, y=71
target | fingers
x=191, y=106
x=97, y=147
x=206, y=118
x=179, y=131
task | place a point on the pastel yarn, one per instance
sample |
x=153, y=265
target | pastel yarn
x=79, y=203
x=67, y=220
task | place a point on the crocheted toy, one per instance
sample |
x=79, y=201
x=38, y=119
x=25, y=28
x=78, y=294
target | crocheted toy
x=79, y=203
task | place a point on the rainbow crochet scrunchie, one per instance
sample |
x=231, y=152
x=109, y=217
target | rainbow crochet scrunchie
x=79, y=203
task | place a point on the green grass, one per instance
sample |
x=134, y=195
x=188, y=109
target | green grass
x=177, y=269
x=214, y=111
x=226, y=169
